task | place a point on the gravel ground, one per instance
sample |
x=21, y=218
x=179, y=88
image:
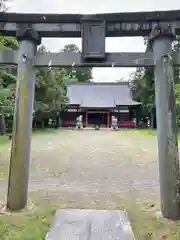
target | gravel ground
x=81, y=168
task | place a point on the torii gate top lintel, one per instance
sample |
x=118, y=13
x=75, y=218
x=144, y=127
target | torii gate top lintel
x=69, y=25
x=169, y=15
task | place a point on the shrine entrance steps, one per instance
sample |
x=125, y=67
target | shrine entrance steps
x=75, y=224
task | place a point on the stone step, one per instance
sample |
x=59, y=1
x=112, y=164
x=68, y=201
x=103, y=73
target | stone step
x=76, y=224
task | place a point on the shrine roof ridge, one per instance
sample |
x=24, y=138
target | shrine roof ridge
x=100, y=83
x=169, y=15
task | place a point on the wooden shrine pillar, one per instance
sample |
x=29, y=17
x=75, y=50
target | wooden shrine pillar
x=130, y=113
x=86, y=121
x=162, y=37
x=29, y=39
x=108, y=119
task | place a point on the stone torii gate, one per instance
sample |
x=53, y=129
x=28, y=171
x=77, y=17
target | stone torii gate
x=160, y=27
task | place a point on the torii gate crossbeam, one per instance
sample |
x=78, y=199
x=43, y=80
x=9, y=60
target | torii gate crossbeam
x=66, y=59
x=160, y=27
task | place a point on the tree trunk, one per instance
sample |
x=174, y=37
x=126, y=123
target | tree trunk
x=57, y=125
x=34, y=124
x=42, y=124
x=2, y=125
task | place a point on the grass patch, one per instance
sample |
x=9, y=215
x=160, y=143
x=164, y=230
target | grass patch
x=146, y=225
x=150, y=133
x=45, y=131
x=31, y=226
x=146, y=132
x=143, y=132
x=4, y=140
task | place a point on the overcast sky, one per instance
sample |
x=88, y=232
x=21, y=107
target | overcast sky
x=96, y=6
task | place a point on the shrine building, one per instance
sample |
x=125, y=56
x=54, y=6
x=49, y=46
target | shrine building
x=98, y=102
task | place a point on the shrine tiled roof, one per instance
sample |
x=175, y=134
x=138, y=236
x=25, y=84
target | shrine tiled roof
x=100, y=95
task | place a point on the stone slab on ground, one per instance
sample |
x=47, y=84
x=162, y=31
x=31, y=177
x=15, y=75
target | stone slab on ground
x=75, y=224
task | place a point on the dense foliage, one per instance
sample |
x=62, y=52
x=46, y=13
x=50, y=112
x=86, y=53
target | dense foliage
x=77, y=74
x=50, y=89
x=142, y=81
x=51, y=83
x=51, y=86
x=3, y=5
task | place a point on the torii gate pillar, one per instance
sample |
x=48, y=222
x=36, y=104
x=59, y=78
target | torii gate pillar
x=162, y=37
x=22, y=125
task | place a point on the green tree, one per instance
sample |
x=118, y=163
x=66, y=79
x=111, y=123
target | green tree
x=176, y=47
x=178, y=103
x=7, y=77
x=50, y=91
x=3, y=5
x=143, y=84
x=78, y=74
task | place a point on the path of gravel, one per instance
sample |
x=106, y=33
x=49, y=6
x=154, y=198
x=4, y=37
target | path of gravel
x=80, y=166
